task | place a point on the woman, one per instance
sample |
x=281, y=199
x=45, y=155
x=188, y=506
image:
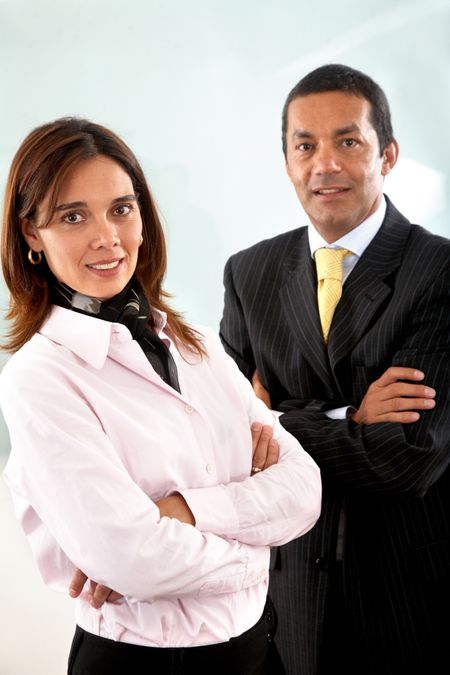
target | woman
x=131, y=430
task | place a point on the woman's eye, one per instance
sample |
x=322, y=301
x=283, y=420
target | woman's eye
x=349, y=142
x=73, y=218
x=123, y=209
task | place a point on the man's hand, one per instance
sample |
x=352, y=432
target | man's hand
x=260, y=390
x=388, y=400
x=265, y=448
x=97, y=595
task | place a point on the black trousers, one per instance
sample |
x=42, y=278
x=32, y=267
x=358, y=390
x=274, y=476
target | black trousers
x=252, y=653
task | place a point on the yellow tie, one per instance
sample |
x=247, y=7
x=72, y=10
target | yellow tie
x=329, y=286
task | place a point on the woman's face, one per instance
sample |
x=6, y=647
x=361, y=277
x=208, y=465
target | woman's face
x=92, y=240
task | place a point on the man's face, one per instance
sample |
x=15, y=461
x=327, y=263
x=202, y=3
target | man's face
x=333, y=160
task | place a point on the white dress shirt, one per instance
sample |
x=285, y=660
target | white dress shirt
x=356, y=241
x=97, y=437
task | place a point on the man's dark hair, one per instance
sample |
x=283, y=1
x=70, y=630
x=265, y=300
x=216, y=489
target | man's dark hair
x=336, y=77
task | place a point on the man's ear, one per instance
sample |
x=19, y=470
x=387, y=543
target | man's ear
x=390, y=155
x=31, y=234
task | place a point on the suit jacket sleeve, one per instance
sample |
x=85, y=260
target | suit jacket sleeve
x=233, y=328
x=383, y=458
x=387, y=457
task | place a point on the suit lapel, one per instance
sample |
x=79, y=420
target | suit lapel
x=367, y=286
x=298, y=298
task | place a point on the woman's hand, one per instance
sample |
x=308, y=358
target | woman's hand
x=97, y=595
x=265, y=448
x=265, y=453
x=173, y=506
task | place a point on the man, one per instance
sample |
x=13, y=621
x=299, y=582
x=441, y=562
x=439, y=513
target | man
x=367, y=589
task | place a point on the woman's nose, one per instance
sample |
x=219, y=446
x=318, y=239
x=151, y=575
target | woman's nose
x=104, y=233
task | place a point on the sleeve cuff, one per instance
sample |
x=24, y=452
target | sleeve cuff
x=343, y=413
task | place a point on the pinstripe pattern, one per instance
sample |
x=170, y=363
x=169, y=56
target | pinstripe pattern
x=394, y=479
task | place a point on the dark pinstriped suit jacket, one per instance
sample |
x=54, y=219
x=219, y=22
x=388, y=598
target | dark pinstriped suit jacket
x=393, y=479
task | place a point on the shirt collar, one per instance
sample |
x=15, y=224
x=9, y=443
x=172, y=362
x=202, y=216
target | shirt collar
x=89, y=337
x=356, y=240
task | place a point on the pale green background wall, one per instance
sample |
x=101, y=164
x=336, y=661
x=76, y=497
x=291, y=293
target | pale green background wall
x=196, y=89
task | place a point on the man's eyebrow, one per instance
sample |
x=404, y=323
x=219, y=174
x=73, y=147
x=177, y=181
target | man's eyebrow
x=349, y=129
x=79, y=205
x=302, y=133
x=341, y=131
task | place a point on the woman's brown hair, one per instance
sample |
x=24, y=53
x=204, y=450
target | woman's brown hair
x=37, y=171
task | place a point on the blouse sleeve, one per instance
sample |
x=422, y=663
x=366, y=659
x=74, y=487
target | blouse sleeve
x=272, y=507
x=80, y=494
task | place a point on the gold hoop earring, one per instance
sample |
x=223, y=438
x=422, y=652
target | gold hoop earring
x=32, y=259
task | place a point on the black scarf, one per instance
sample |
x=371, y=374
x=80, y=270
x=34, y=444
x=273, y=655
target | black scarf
x=131, y=308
